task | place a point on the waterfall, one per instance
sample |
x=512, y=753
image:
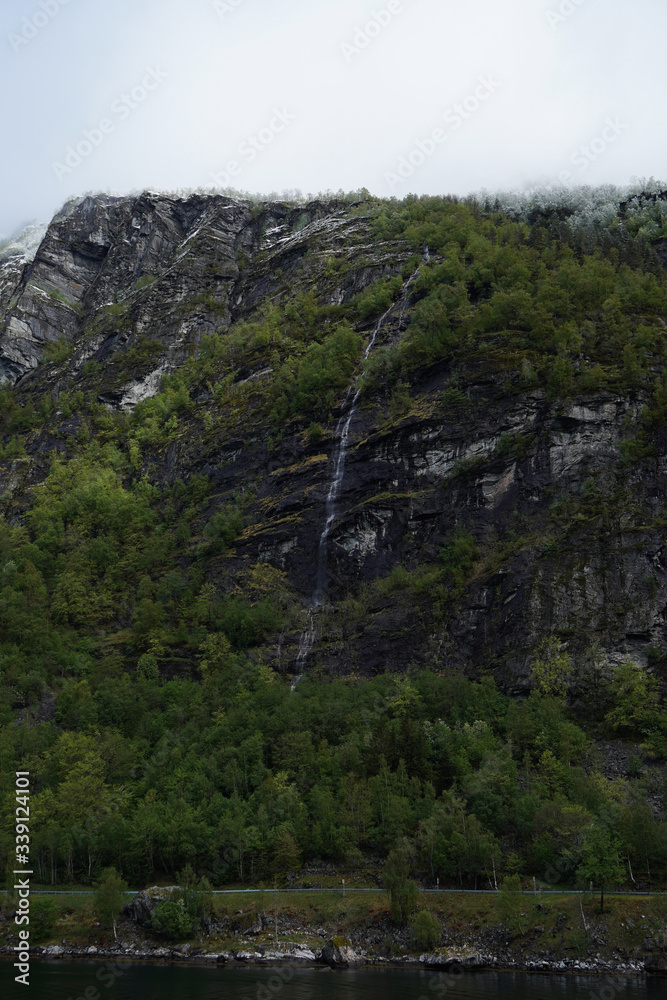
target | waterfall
x=305, y=645
x=342, y=435
x=339, y=456
x=341, y=449
x=405, y=295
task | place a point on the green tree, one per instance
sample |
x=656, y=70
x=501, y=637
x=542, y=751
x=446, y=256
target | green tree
x=286, y=853
x=109, y=897
x=403, y=892
x=551, y=671
x=600, y=860
x=195, y=893
x=636, y=700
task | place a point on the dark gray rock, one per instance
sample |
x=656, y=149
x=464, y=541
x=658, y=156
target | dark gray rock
x=141, y=907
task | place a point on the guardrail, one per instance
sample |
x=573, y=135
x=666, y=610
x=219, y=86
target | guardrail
x=455, y=892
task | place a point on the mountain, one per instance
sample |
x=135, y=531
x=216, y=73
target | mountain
x=475, y=436
x=274, y=446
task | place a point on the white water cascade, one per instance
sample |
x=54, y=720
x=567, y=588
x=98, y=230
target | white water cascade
x=305, y=645
x=339, y=456
x=405, y=295
x=342, y=436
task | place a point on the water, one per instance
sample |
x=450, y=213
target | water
x=405, y=293
x=340, y=455
x=341, y=449
x=342, y=436
x=306, y=643
x=64, y=980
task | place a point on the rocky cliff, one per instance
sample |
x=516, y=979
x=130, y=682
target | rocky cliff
x=567, y=530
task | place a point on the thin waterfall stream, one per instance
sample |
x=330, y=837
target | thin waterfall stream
x=305, y=645
x=342, y=436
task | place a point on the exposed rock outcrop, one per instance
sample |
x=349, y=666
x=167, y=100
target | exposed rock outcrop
x=141, y=907
x=338, y=953
x=133, y=284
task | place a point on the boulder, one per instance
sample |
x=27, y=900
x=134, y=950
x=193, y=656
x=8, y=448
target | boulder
x=339, y=954
x=294, y=953
x=450, y=959
x=141, y=907
x=54, y=951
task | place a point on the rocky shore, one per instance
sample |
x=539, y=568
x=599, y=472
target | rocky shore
x=467, y=935
x=340, y=956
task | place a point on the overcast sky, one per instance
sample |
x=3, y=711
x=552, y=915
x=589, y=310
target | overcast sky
x=263, y=95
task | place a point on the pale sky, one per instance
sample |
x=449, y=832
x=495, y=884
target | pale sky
x=122, y=95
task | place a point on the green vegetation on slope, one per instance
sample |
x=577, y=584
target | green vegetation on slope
x=172, y=740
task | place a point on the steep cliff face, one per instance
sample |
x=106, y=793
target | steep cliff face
x=110, y=270
x=568, y=533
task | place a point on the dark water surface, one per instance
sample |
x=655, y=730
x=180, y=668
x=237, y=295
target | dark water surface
x=93, y=981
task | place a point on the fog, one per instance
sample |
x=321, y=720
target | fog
x=397, y=96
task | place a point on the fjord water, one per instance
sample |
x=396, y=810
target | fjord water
x=70, y=981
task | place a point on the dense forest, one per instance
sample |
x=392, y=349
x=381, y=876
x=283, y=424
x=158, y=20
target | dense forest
x=150, y=674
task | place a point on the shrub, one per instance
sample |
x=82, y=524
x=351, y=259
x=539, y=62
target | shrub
x=309, y=382
x=425, y=930
x=455, y=399
x=398, y=579
x=314, y=433
x=147, y=667
x=510, y=903
x=458, y=557
x=43, y=916
x=57, y=351
x=224, y=526
x=376, y=298
x=399, y=403
x=172, y=919
x=246, y=625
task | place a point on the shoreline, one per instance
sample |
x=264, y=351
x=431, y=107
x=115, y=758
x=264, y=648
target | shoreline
x=560, y=936
x=299, y=956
